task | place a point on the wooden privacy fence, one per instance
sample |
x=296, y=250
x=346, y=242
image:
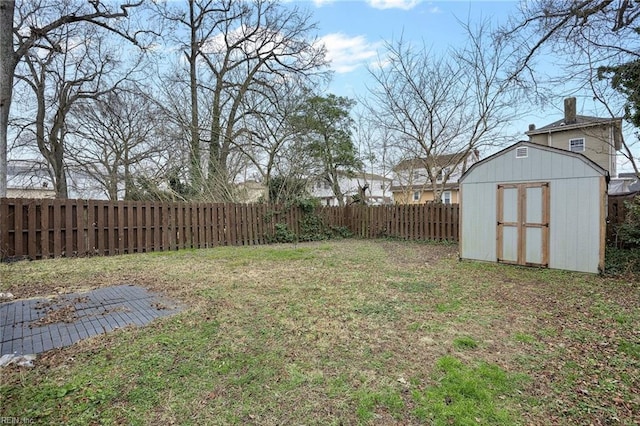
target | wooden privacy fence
x=433, y=221
x=52, y=228
x=617, y=213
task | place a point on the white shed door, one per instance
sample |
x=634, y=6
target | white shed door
x=523, y=224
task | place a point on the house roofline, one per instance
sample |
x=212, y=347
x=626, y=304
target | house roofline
x=447, y=187
x=410, y=163
x=553, y=127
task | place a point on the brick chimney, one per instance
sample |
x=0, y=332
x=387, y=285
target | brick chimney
x=569, y=110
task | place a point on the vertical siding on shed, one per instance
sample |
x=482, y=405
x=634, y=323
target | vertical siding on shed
x=575, y=224
x=478, y=225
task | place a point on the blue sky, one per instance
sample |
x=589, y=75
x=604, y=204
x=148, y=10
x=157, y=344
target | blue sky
x=354, y=33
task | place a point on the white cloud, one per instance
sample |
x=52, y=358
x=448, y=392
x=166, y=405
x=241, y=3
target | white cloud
x=348, y=53
x=435, y=9
x=320, y=3
x=393, y=4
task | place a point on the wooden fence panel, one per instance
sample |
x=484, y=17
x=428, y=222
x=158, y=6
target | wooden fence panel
x=54, y=228
x=17, y=230
x=617, y=213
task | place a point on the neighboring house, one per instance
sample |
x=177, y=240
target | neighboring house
x=251, y=191
x=28, y=179
x=596, y=138
x=376, y=189
x=412, y=184
x=81, y=185
x=31, y=179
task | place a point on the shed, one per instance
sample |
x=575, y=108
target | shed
x=535, y=205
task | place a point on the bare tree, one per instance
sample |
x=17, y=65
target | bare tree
x=374, y=149
x=74, y=68
x=440, y=109
x=260, y=41
x=608, y=25
x=119, y=141
x=238, y=53
x=270, y=134
x=28, y=27
x=202, y=21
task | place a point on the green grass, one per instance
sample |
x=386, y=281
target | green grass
x=524, y=338
x=340, y=332
x=467, y=395
x=466, y=342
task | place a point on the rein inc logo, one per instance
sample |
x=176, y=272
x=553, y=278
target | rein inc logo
x=16, y=421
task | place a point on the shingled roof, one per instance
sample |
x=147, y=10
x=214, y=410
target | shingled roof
x=443, y=160
x=581, y=121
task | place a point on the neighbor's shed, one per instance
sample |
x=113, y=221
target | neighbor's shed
x=535, y=205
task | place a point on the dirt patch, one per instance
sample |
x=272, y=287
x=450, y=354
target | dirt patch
x=418, y=254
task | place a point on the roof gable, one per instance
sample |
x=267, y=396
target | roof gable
x=589, y=164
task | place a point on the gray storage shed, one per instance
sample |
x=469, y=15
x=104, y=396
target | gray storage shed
x=535, y=205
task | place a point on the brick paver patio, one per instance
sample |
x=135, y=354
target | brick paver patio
x=33, y=326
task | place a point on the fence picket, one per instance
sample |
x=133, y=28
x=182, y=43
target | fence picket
x=44, y=229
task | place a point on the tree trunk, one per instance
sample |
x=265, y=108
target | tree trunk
x=194, y=151
x=7, y=68
x=57, y=156
x=128, y=180
x=217, y=172
x=335, y=187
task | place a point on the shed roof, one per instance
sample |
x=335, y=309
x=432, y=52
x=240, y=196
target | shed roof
x=578, y=156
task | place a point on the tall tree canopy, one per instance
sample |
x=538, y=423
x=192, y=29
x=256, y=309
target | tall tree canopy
x=325, y=124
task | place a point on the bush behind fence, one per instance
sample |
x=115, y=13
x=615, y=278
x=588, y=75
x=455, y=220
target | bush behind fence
x=42, y=228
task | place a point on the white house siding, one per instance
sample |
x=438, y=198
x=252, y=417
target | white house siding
x=576, y=205
x=377, y=193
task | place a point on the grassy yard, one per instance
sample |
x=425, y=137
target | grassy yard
x=345, y=332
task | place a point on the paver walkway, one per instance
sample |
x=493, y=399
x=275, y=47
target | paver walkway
x=37, y=325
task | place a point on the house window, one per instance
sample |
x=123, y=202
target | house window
x=576, y=145
x=446, y=197
x=416, y=196
x=416, y=175
x=442, y=173
x=522, y=152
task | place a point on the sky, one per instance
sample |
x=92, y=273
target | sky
x=354, y=33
